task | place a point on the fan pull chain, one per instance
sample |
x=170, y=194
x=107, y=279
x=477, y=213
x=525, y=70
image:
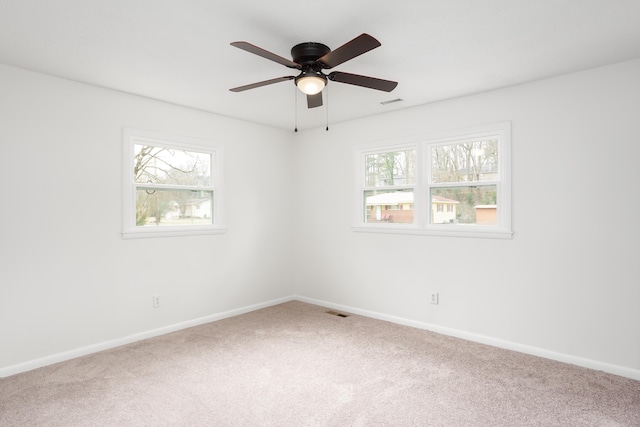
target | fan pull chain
x=327, y=109
x=295, y=96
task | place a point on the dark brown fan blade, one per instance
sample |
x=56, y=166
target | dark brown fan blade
x=259, y=84
x=356, y=47
x=364, y=81
x=314, y=101
x=266, y=54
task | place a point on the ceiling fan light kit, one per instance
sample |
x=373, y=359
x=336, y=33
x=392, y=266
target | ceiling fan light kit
x=311, y=58
x=311, y=84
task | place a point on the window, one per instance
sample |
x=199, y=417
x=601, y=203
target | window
x=390, y=178
x=455, y=184
x=172, y=185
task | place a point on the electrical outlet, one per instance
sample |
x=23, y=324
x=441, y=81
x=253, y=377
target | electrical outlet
x=157, y=302
x=434, y=298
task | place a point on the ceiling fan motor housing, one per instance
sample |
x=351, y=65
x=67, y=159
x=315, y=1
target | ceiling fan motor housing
x=308, y=53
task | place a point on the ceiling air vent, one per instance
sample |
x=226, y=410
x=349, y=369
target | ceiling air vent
x=391, y=101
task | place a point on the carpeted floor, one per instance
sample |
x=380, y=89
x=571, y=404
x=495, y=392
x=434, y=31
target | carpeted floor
x=297, y=365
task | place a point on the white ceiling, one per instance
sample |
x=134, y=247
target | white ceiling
x=179, y=52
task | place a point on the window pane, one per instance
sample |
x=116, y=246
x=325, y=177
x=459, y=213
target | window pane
x=467, y=161
x=390, y=168
x=160, y=165
x=389, y=206
x=173, y=207
x=464, y=205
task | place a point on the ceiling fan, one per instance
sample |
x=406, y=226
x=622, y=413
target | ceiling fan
x=311, y=58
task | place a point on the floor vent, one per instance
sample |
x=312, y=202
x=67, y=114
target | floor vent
x=335, y=313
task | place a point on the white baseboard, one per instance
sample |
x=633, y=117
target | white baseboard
x=508, y=345
x=483, y=339
x=106, y=345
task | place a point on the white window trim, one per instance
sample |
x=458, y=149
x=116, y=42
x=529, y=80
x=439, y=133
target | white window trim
x=129, y=229
x=422, y=208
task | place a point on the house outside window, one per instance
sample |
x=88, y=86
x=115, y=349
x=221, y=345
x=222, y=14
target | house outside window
x=389, y=181
x=454, y=184
x=172, y=185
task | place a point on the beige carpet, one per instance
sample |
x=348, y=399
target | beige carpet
x=296, y=365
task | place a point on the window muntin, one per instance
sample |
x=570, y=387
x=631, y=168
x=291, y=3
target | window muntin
x=461, y=185
x=171, y=185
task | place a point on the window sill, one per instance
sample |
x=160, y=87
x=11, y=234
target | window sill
x=448, y=231
x=171, y=232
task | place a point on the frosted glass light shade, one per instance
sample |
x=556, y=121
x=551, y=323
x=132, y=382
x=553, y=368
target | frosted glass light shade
x=310, y=85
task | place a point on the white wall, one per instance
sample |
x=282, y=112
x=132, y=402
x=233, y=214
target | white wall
x=67, y=278
x=569, y=280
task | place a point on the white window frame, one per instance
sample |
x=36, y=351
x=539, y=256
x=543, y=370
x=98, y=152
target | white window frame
x=136, y=136
x=362, y=187
x=423, y=186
